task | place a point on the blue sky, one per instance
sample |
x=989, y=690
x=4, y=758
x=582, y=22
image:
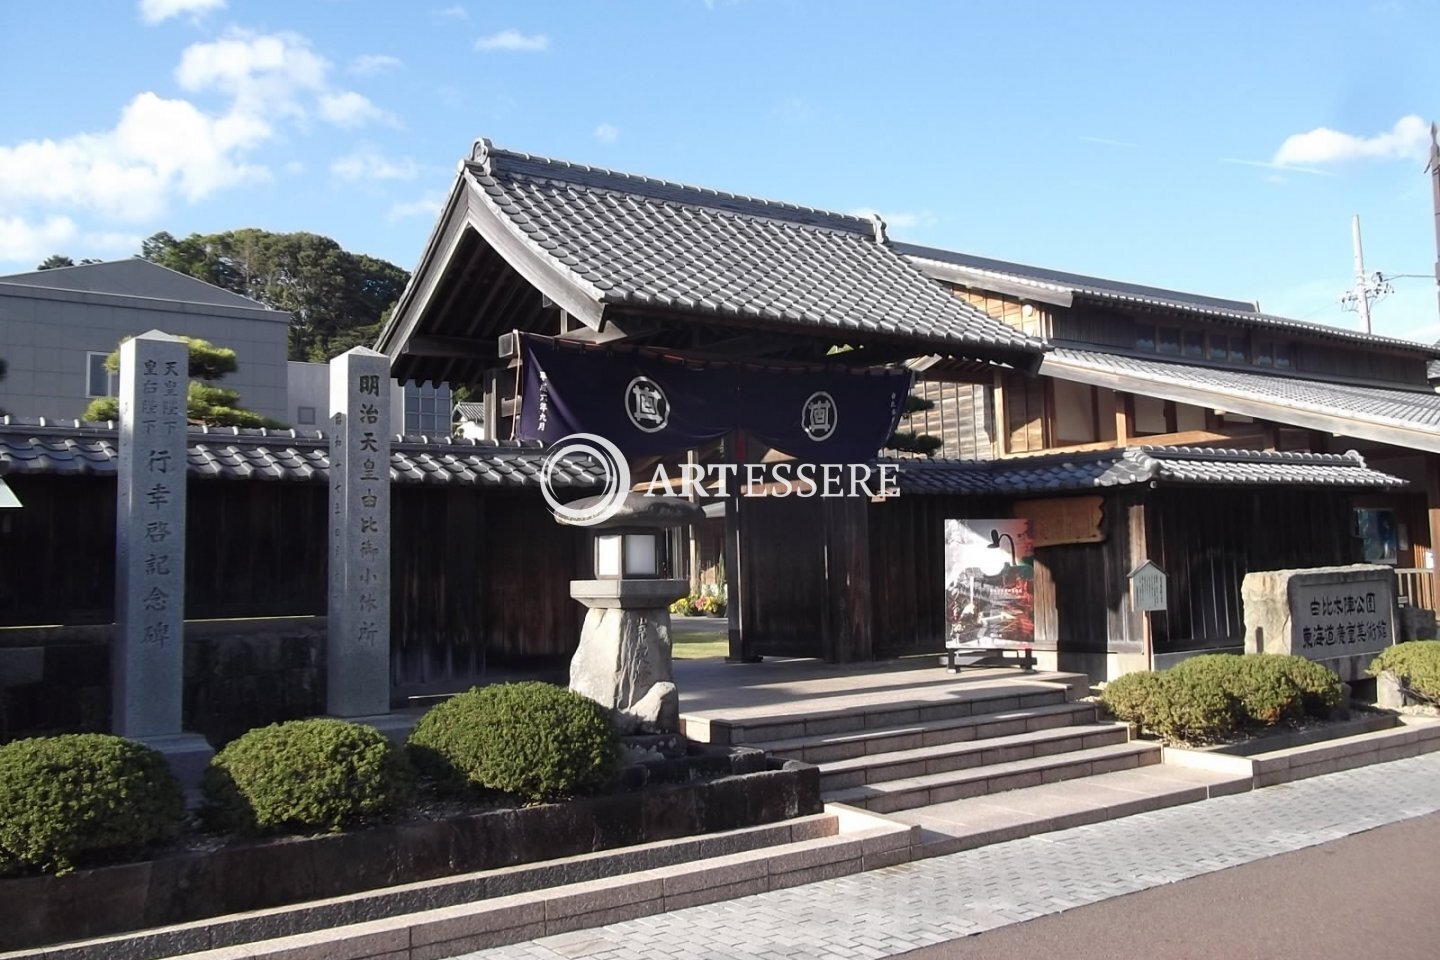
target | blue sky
x=1218, y=147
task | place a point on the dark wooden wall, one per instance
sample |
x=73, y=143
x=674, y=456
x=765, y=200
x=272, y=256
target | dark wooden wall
x=480, y=578
x=1207, y=540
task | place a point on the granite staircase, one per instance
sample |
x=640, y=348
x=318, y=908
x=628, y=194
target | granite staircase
x=949, y=740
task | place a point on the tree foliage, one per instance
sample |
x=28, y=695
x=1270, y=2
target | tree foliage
x=337, y=299
x=60, y=260
x=910, y=441
x=205, y=403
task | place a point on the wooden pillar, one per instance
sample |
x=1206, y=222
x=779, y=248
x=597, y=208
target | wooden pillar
x=1432, y=503
x=1124, y=417
x=1139, y=552
x=848, y=632
x=1002, y=419
x=736, y=568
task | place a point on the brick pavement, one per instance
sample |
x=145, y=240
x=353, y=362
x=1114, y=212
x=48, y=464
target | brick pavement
x=891, y=911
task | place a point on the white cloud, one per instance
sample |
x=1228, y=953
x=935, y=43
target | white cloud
x=607, y=133
x=367, y=163
x=264, y=73
x=21, y=240
x=427, y=206
x=128, y=173
x=154, y=11
x=1409, y=138
x=453, y=12
x=161, y=149
x=513, y=41
x=350, y=109
x=899, y=219
x=369, y=64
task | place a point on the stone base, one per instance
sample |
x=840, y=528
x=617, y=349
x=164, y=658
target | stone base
x=187, y=754
x=623, y=664
x=396, y=727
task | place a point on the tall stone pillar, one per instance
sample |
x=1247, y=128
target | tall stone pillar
x=148, y=650
x=358, y=632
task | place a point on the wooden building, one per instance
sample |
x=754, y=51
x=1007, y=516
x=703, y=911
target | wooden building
x=1199, y=433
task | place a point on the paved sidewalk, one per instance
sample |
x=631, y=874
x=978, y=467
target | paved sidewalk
x=891, y=911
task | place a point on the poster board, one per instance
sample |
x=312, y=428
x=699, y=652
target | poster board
x=989, y=584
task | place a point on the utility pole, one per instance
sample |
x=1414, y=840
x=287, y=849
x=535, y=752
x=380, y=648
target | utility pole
x=1366, y=289
x=1434, y=170
x=1361, y=294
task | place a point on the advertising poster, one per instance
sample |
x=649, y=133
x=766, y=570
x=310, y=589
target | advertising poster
x=989, y=583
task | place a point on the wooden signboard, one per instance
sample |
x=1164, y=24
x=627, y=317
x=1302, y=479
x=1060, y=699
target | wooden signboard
x=1062, y=520
x=1148, y=587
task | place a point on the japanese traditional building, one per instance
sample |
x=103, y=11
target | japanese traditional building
x=1126, y=422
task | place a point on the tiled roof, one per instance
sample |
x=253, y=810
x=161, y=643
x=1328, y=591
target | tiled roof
x=645, y=243
x=470, y=410
x=71, y=448
x=1117, y=292
x=1059, y=472
x=1347, y=408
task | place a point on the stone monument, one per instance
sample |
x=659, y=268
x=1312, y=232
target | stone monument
x=1339, y=616
x=623, y=661
x=357, y=645
x=147, y=654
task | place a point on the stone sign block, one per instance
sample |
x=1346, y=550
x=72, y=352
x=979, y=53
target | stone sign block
x=1340, y=616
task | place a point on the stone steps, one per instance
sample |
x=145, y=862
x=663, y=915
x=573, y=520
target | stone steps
x=844, y=746
x=947, y=757
x=761, y=725
x=929, y=789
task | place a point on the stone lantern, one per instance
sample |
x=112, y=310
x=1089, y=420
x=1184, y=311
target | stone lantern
x=623, y=661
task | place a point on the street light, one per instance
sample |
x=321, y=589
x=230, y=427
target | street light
x=995, y=537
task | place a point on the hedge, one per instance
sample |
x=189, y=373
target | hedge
x=1417, y=663
x=82, y=797
x=304, y=776
x=534, y=741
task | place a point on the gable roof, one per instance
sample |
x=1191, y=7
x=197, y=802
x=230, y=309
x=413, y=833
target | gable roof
x=1062, y=289
x=1406, y=418
x=1195, y=466
x=604, y=244
x=134, y=278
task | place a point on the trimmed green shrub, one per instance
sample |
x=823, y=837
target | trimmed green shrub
x=1319, y=685
x=1260, y=683
x=80, y=797
x=1128, y=697
x=306, y=775
x=1416, y=662
x=1195, y=709
x=534, y=741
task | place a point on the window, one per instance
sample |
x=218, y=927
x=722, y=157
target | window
x=1284, y=356
x=1145, y=337
x=305, y=416
x=428, y=409
x=1194, y=344
x=1263, y=354
x=1169, y=340
x=1219, y=351
x=99, y=382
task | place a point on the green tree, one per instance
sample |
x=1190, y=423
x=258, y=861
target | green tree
x=60, y=260
x=205, y=403
x=909, y=441
x=337, y=299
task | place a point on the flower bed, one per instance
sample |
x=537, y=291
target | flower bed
x=241, y=875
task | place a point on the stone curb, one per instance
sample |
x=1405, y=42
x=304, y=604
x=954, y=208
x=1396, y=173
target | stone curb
x=814, y=851
x=1412, y=736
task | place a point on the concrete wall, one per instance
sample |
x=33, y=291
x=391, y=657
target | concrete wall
x=309, y=386
x=46, y=335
